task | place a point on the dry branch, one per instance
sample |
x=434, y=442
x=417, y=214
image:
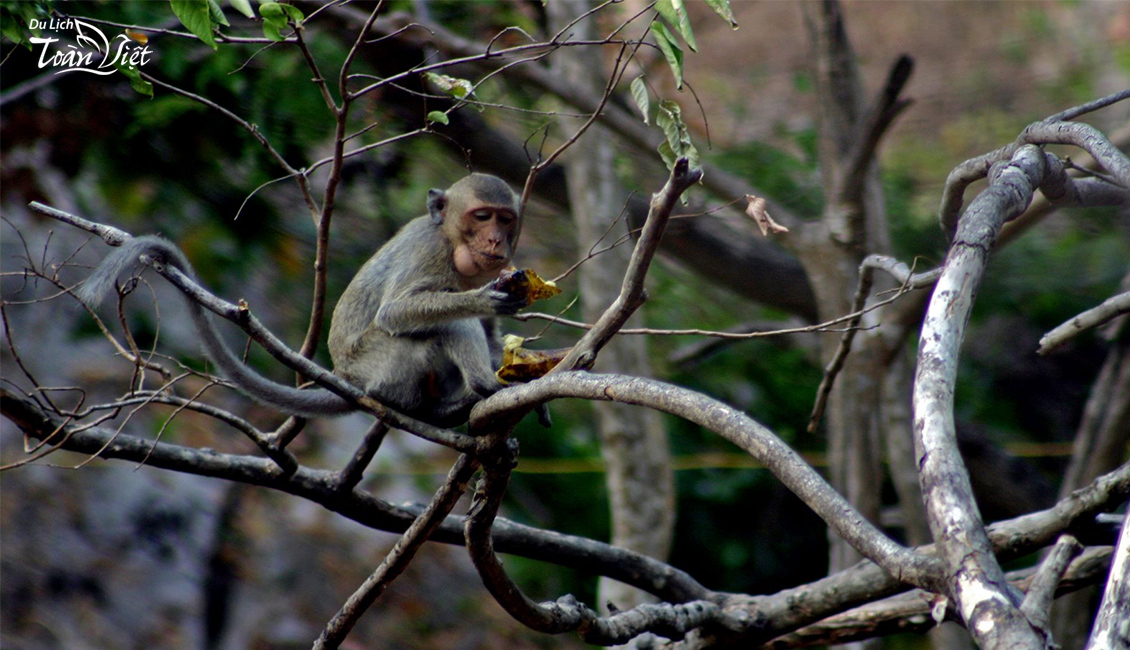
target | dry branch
x=779, y=612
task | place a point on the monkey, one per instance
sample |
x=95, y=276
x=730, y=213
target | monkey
x=426, y=302
x=416, y=328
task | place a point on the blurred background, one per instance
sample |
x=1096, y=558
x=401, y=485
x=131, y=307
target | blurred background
x=115, y=555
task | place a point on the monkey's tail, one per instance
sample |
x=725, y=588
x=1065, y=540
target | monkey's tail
x=301, y=403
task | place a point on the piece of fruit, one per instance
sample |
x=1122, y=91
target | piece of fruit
x=520, y=364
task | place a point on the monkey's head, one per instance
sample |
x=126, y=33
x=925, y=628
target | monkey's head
x=479, y=215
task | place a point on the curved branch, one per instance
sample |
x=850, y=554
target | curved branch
x=242, y=316
x=1085, y=137
x=1048, y=131
x=567, y=614
x=742, y=431
x=976, y=582
x=323, y=487
x=776, y=614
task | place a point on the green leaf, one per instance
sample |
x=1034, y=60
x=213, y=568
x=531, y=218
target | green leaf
x=722, y=8
x=671, y=50
x=454, y=86
x=639, y=93
x=196, y=16
x=16, y=16
x=243, y=7
x=217, y=14
x=675, y=13
x=669, y=118
x=667, y=155
x=277, y=17
x=438, y=117
x=135, y=81
x=14, y=31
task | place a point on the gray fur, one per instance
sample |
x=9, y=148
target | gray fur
x=408, y=329
x=303, y=403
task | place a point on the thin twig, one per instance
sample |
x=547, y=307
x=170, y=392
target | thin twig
x=398, y=558
x=867, y=269
x=350, y=475
x=584, y=352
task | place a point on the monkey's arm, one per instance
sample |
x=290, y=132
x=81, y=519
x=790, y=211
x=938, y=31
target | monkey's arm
x=416, y=310
x=290, y=400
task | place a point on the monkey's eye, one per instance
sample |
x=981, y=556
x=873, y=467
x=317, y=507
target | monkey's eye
x=505, y=218
x=482, y=215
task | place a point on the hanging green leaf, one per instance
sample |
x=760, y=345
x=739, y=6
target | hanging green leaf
x=671, y=50
x=196, y=16
x=243, y=7
x=15, y=17
x=454, y=86
x=639, y=93
x=438, y=117
x=135, y=81
x=669, y=118
x=722, y=8
x=675, y=13
x=217, y=14
x=277, y=17
x=667, y=155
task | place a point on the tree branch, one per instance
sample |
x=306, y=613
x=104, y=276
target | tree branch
x=584, y=352
x=742, y=431
x=1107, y=311
x=401, y=554
x=242, y=316
x=779, y=612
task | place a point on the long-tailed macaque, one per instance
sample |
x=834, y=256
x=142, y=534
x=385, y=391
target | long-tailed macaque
x=415, y=328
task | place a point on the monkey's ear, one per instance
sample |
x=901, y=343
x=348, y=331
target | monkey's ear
x=437, y=201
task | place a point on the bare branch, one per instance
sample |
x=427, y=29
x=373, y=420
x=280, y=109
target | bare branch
x=1085, y=137
x=322, y=487
x=350, y=475
x=902, y=273
x=566, y=613
x=398, y=558
x=740, y=430
x=584, y=353
x=1110, y=630
x=1047, y=131
x=852, y=587
x=911, y=612
x=976, y=578
x=1090, y=319
x=1042, y=590
x=242, y=316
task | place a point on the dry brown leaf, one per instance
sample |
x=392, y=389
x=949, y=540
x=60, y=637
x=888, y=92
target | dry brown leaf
x=520, y=364
x=757, y=210
x=526, y=283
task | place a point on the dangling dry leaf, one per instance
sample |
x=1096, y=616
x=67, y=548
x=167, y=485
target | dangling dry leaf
x=520, y=364
x=758, y=211
x=526, y=283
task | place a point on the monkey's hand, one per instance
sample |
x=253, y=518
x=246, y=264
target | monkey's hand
x=502, y=303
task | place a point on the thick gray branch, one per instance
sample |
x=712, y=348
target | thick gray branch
x=742, y=431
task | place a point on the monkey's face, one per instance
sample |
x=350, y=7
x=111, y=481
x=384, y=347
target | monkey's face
x=485, y=242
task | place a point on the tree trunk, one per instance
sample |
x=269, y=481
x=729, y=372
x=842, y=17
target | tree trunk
x=634, y=443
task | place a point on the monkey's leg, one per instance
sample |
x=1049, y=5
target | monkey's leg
x=465, y=344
